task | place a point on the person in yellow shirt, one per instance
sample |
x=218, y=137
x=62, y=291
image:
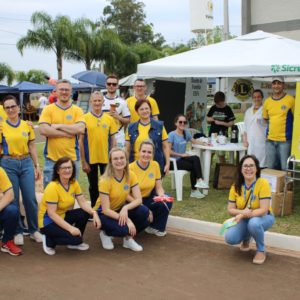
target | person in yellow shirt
x=59, y=222
x=3, y=115
x=20, y=162
x=139, y=94
x=144, y=129
x=149, y=177
x=95, y=143
x=8, y=216
x=278, y=110
x=250, y=204
x=119, y=203
x=61, y=123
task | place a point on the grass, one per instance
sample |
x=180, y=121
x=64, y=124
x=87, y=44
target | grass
x=213, y=207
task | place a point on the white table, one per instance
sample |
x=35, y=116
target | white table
x=204, y=152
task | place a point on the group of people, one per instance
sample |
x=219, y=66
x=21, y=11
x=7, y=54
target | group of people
x=129, y=144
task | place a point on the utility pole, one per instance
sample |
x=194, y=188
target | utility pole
x=226, y=22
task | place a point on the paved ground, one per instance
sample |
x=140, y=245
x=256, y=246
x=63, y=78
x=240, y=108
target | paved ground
x=173, y=267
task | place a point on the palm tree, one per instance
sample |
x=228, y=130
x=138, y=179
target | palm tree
x=6, y=72
x=93, y=44
x=49, y=34
x=36, y=76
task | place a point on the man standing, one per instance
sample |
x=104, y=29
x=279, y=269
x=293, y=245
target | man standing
x=278, y=110
x=60, y=123
x=139, y=94
x=117, y=108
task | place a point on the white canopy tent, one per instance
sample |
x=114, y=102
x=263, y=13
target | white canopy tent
x=259, y=54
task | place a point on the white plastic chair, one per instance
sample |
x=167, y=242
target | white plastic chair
x=241, y=127
x=177, y=179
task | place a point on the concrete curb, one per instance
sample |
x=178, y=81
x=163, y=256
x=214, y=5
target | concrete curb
x=210, y=231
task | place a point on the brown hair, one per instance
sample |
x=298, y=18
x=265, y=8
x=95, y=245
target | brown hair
x=139, y=103
x=58, y=164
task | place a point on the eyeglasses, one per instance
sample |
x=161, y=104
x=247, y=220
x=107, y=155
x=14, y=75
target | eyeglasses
x=64, y=90
x=182, y=122
x=248, y=166
x=10, y=107
x=111, y=83
x=66, y=168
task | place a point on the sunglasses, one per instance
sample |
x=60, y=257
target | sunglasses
x=10, y=107
x=182, y=122
x=111, y=83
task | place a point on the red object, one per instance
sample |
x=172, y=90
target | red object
x=163, y=198
x=11, y=248
x=52, y=98
x=52, y=81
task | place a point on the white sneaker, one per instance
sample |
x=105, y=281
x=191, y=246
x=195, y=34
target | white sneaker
x=196, y=194
x=154, y=231
x=130, y=243
x=36, y=236
x=81, y=247
x=106, y=241
x=47, y=250
x=19, y=239
x=201, y=184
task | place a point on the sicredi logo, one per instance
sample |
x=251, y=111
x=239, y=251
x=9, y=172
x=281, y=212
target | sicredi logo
x=285, y=68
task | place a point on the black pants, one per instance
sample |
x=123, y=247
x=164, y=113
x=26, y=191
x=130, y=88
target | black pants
x=191, y=164
x=55, y=235
x=93, y=178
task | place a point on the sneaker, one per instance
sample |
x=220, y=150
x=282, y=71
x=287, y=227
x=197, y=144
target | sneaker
x=47, y=250
x=259, y=258
x=201, y=184
x=10, y=248
x=106, y=241
x=36, y=236
x=19, y=239
x=81, y=247
x=154, y=231
x=130, y=243
x=196, y=194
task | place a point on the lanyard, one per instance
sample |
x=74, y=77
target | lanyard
x=251, y=195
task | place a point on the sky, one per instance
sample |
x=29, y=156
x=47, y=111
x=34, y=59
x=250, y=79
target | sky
x=171, y=18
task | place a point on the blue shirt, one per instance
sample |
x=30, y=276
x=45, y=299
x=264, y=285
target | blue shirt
x=179, y=142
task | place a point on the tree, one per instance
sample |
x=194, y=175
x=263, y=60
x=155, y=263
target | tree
x=36, y=76
x=93, y=44
x=128, y=19
x=50, y=35
x=6, y=73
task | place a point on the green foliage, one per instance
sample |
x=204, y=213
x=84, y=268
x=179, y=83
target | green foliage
x=6, y=73
x=36, y=76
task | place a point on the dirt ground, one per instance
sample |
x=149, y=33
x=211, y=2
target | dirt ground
x=173, y=267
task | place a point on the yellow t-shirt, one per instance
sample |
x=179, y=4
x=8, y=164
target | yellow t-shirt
x=134, y=117
x=280, y=115
x=96, y=138
x=56, y=148
x=261, y=191
x=143, y=130
x=3, y=115
x=55, y=193
x=116, y=190
x=146, y=177
x=5, y=183
x=15, y=138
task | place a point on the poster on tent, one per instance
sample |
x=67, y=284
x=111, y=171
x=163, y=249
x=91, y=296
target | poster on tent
x=196, y=102
x=240, y=89
x=296, y=126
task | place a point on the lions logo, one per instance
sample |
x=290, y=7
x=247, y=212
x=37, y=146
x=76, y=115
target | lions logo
x=25, y=134
x=126, y=187
x=151, y=175
x=242, y=89
x=69, y=117
x=104, y=126
x=283, y=107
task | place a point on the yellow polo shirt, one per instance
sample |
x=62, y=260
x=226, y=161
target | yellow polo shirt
x=5, y=183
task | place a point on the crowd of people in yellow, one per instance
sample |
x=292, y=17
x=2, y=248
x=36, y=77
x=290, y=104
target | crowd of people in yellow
x=127, y=142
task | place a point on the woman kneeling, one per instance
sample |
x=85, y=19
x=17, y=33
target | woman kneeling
x=58, y=221
x=119, y=203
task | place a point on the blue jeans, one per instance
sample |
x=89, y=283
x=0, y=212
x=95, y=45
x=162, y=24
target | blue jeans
x=277, y=154
x=9, y=221
x=139, y=217
x=160, y=211
x=254, y=227
x=21, y=175
x=48, y=170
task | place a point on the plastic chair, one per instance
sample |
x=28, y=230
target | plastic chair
x=177, y=179
x=241, y=127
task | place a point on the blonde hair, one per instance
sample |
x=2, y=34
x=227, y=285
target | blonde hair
x=148, y=142
x=96, y=93
x=109, y=171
